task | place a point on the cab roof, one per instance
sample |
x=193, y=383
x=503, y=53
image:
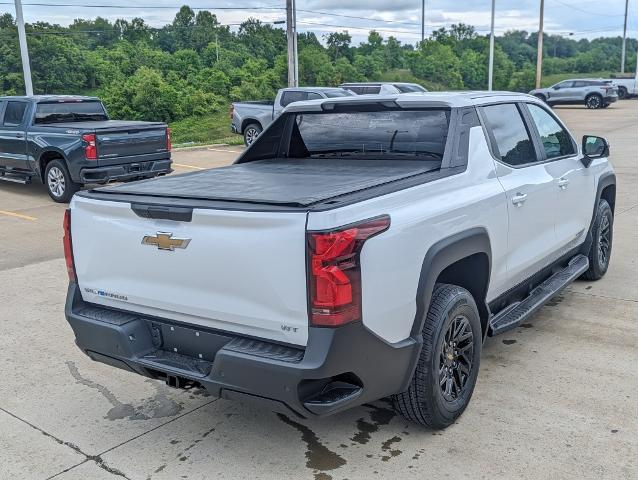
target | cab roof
x=417, y=100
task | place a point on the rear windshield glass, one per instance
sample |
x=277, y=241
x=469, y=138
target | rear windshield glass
x=410, y=88
x=338, y=93
x=402, y=134
x=61, y=112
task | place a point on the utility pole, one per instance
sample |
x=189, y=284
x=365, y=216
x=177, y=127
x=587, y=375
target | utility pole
x=490, y=70
x=624, y=40
x=290, y=34
x=539, y=54
x=217, y=46
x=422, y=20
x=24, y=50
x=294, y=36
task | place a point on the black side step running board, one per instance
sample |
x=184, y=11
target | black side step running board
x=6, y=176
x=516, y=313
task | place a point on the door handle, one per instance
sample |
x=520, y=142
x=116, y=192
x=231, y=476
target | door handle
x=19, y=135
x=519, y=199
x=562, y=183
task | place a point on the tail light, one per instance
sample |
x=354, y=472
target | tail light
x=68, y=246
x=334, y=271
x=169, y=142
x=90, y=149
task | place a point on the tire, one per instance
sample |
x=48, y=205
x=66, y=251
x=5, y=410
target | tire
x=593, y=101
x=424, y=401
x=58, y=181
x=602, y=238
x=605, y=105
x=251, y=132
x=622, y=93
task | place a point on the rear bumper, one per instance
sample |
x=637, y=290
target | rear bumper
x=127, y=171
x=340, y=367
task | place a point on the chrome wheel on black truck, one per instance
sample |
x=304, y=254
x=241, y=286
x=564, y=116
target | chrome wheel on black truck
x=448, y=365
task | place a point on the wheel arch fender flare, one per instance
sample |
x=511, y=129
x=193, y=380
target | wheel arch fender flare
x=440, y=256
x=248, y=121
x=607, y=179
x=46, y=153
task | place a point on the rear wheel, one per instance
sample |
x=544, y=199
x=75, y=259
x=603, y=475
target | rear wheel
x=58, y=181
x=622, y=93
x=602, y=236
x=251, y=132
x=448, y=365
x=593, y=101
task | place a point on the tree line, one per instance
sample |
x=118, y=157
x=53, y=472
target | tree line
x=195, y=65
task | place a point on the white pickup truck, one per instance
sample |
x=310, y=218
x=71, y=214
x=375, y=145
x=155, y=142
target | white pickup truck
x=627, y=86
x=360, y=248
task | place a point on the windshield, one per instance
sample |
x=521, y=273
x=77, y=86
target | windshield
x=403, y=134
x=403, y=88
x=61, y=112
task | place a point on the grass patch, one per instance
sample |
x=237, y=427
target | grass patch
x=208, y=129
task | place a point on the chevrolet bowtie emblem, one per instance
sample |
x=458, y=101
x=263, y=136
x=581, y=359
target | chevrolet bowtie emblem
x=164, y=241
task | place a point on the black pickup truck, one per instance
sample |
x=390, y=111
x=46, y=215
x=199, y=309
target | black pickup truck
x=68, y=141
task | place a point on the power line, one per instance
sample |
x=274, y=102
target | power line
x=589, y=12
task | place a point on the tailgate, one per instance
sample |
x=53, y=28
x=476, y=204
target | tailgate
x=126, y=143
x=241, y=272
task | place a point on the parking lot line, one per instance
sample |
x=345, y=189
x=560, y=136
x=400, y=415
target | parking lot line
x=188, y=166
x=223, y=150
x=17, y=215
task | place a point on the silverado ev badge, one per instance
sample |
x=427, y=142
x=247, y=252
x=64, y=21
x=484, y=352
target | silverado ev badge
x=163, y=241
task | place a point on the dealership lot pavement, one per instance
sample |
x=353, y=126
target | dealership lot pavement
x=556, y=398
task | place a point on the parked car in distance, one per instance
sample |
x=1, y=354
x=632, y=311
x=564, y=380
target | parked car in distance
x=69, y=141
x=627, y=86
x=251, y=118
x=383, y=88
x=593, y=93
x=363, y=247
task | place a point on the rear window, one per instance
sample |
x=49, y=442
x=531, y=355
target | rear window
x=61, y=112
x=410, y=88
x=401, y=134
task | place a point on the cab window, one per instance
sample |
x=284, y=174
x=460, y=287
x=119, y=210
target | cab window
x=555, y=139
x=293, y=96
x=511, y=140
x=14, y=114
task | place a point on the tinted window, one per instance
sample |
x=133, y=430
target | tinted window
x=14, y=113
x=410, y=88
x=400, y=134
x=513, y=143
x=60, y=112
x=567, y=84
x=289, y=97
x=314, y=96
x=581, y=84
x=338, y=93
x=372, y=90
x=357, y=90
x=556, y=140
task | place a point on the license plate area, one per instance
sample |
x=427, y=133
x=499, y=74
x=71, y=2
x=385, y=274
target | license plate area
x=188, y=341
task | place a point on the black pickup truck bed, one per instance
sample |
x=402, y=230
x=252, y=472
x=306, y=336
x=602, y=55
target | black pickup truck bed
x=293, y=182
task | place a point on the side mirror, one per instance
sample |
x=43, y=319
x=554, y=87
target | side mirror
x=594, y=147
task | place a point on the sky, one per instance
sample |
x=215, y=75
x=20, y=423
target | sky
x=399, y=18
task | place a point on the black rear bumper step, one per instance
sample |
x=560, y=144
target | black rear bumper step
x=515, y=314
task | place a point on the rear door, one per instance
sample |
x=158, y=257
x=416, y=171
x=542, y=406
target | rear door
x=572, y=181
x=235, y=271
x=530, y=190
x=561, y=92
x=13, y=143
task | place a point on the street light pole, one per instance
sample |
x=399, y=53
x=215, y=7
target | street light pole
x=294, y=36
x=624, y=40
x=422, y=20
x=490, y=70
x=539, y=54
x=291, y=44
x=24, y=50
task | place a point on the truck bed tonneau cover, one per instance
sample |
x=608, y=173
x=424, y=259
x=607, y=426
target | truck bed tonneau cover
x=301, y=182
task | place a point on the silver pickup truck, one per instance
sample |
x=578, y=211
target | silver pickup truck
x=251, y=118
